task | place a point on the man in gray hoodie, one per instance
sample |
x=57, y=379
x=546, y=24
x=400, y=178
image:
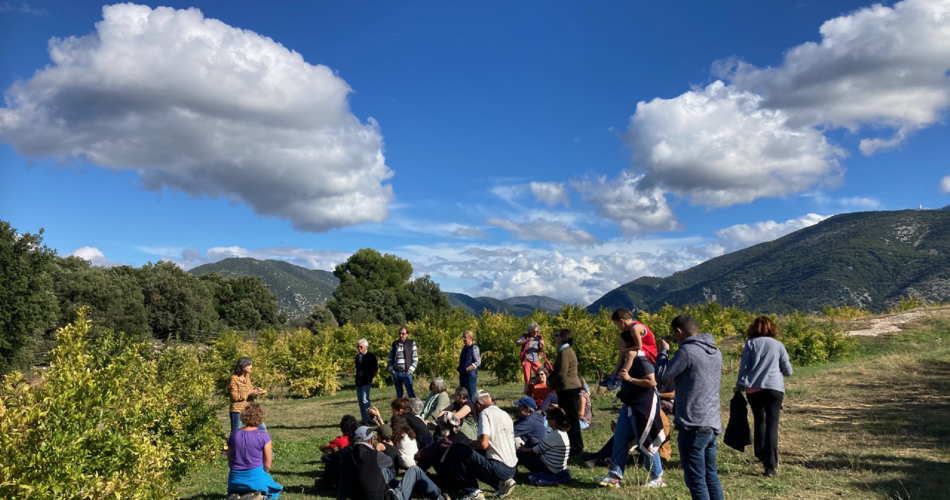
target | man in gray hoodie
x=695, y=369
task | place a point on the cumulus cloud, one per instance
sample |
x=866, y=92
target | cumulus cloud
x=637, y=210
x=859, y=202
x=486, y=252
x=544, y=230
x=759, y=132
x=469, y=232
x=551, y=193
x=745, y=235
x=196, y=105
x=191, y=257
x=879, y=66
x=945, y=185
x=22, y=9
x=95, y=257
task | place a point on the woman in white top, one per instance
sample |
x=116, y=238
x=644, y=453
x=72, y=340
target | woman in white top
x=404, y=439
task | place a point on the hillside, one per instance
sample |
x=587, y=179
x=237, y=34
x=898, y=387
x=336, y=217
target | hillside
x=866, y=259
x=297, y=288
x=516, y=306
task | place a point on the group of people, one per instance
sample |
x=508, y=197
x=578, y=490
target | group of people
x=453, y=442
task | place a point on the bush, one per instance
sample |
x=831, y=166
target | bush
x=844, y=312
x=809, y=340
x=110, y=420
x=908, y=303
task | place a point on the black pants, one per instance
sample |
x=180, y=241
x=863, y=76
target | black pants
x=766, y=405
x=568, y=401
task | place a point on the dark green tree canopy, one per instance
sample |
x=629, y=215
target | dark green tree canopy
x=113, y=295
x=176, y=302
x=244, y=302
x=373, y=270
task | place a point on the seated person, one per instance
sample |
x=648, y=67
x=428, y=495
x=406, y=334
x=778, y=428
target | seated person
x=464, y=410
x=585, y=407
x=549, y=457
x=348, y=424
x=375, y=482
x=538, y=389
x=418, y=424
x=437, y=400
x=250, y=456
x=384, y=444
x=404, y=439
x=491, y=458
x=530, y=426
x=440, y=456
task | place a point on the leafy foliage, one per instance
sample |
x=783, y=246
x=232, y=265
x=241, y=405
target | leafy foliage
x=27, y=301
x=110, y=420
x=243, y=302
x=176, y=302
x=811, y=340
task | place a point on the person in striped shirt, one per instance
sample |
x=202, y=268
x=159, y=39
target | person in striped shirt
x=402, y=362
x=549, y=457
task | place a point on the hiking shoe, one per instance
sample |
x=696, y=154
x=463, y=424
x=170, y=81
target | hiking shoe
x=656, y=482
x=505, y=489
x=475, y=495
x=609, y=482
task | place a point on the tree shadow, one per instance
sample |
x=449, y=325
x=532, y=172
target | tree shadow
x=304, y=427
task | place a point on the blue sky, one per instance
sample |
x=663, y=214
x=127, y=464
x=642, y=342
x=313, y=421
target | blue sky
x=553, y=148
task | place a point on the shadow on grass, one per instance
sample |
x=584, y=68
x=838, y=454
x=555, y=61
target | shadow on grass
x=304, y=427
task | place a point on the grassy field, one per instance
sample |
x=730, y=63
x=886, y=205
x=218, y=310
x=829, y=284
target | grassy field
x=875, y=425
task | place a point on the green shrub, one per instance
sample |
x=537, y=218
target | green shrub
x=908, y=303
x=844, y=312
x=810, y=340
x=111, y=420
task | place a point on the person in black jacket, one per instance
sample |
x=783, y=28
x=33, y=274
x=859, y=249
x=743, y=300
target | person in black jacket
x=375, y=479
x=366, y=368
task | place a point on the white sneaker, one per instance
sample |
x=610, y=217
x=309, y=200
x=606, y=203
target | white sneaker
x=505, y=489
x=656, y=482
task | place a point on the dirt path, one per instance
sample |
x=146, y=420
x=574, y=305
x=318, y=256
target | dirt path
x=888, y=324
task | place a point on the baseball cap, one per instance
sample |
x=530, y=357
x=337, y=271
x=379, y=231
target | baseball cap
x=363, y=434
x=384, y=431
x=526, y=401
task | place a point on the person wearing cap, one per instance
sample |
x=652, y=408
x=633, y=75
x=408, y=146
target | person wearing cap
x=529, y=428
x=532, y=348
x=441, y=455
x=375, y=476
x=491, y=458
x=384, y=442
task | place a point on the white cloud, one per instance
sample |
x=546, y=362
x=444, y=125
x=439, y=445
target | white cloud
x=194, y=104
x=485, y=252
x=544, y=230
x=551, y=193
x=878, y=66
x=859, y=202
x=188, y=258
x=637, y=210
x=95, y=257
x=744, y=235
x=22, y=9
x=469, y=232
x=945, y=185
x=718, y=147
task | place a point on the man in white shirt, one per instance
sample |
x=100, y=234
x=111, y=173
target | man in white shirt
x=492, y=457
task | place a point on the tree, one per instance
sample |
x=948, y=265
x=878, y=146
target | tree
x=27, y=301
x=113, y=296
x=244, y=302
x=376, y=287
x=320, y=317
x=176, y=301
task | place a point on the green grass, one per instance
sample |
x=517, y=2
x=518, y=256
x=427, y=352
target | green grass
x=874, y=425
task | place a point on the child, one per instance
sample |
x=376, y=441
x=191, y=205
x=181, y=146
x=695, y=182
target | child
x=547, y=461
x=347, y=425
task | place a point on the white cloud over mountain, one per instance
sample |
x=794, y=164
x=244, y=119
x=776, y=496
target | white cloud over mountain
x=544, y=230
x=637, y=210
x=745, y=235
x=305, y=257
x=945, y=185
x=95, y=257
x=212, y=110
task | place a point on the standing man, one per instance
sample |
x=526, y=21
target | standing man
x=492, y=457
x=532, y=345
x=469, y=361
x=366, y=369
x=695, y=369
x=402, y=361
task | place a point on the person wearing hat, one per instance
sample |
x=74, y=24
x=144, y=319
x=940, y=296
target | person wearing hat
x=529, y=428
x=375, y=475
x=384, y=437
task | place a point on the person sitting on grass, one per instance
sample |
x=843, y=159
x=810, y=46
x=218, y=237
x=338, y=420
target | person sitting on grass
x=384, y=442
x=437, y=400
x=370, y=476
x=539, y=390
x=547, y=461
x=491, y=458
x=464, y=410
x=586, y=408
x=250, y=457
x=348, y=424
x=440, y=455
x=418, y=424
x=404, y=439
x=529, y=428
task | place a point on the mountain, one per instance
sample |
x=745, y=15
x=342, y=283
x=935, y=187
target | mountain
x=297, y=288
x=865, y=259
x=517, y=306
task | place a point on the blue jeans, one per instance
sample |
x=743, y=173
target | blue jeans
x=468, y=382
x=698, y=455
x=400, y=378
x=362, y=397
x=473, y=466
x=236, y=422
x=626, y=432
x=413, y=481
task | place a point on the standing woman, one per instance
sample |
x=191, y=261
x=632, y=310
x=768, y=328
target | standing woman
x=240, y=389
x=565, y=381
x=532, y=347
x=762, y=368
x=469, y=361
